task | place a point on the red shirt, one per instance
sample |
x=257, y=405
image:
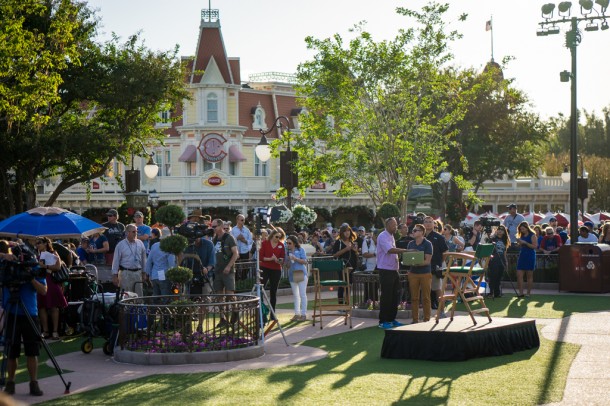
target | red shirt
x=267, y=251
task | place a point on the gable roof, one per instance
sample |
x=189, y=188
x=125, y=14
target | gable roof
x=211, y=44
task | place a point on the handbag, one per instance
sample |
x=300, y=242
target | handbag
x=62, y=275
x=298, y=276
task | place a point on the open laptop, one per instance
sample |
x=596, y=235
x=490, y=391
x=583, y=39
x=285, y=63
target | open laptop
x=412, y=258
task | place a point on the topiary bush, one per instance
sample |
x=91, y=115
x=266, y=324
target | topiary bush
x=170, y=215
x=387, y=210
x=174, y=244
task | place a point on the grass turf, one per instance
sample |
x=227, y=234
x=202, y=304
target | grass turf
x=536, y=306
x=353, y=373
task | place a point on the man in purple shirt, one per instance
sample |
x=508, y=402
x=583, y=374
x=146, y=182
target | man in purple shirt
x=387, y=265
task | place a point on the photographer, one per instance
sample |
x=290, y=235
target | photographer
x=203, y=269
x=23, y=329
x=475, y=238
x=439, y=246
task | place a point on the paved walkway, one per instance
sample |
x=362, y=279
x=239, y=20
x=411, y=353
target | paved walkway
x=588, y=379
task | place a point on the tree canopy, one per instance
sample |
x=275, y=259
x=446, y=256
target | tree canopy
x=378, y=113
x=70, y=105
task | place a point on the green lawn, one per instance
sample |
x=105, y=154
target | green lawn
x=353, y=373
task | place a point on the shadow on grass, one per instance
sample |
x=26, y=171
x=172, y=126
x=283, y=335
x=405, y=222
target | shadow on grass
x=355, y=356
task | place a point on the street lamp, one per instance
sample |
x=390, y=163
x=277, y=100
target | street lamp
x=573, y=37
x=444, y=177
x=132, y=180
x=288, y=177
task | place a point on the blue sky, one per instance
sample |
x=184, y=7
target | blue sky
x=268, y=35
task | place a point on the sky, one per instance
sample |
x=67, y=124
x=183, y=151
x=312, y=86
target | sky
x=268, y=36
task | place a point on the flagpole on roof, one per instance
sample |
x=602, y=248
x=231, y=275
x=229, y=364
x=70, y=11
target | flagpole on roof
x=490, y=27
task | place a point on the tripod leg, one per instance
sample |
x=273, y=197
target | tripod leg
x=264, y=294
x=46, y=347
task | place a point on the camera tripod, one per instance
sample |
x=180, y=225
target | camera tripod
x=189, y=259
x=14, y=305
x=263, y=299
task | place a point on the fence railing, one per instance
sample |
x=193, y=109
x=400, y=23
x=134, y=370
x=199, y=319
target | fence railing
x=188, y=323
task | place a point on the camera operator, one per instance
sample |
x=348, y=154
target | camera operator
x=23, y=329
x=202, y=269
x=475, y=238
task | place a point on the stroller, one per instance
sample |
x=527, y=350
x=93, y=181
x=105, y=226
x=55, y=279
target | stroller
x=82, y=284
x=99, y=317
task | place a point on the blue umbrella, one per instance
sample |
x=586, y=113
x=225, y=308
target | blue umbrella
x=51, y=222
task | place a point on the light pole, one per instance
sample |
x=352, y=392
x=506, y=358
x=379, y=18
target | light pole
x=582, y=184
x=288, y=177
x=444, y=177
x=132, y=180
x=549, y=26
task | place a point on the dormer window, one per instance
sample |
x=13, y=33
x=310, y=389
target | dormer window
x=212, y=108
x=258, y=118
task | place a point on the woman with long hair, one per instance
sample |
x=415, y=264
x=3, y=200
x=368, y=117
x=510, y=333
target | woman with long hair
x=297, y=275
x=54, y=299
x=604, y=236
x=528, y=243
x=346, y=249
x=498, y=262
x=272, y=254
x=453, y=242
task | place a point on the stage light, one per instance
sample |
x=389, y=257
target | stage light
x=541, y=32
x=564, y=77
x=603, y=4
x=547, y=10
x=552, y=30
x=591, y=27
x=586, y=4
x=564, y=7
x=604, y=25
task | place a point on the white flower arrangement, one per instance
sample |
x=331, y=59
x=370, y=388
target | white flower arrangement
x=303, y=215
x=285, y=216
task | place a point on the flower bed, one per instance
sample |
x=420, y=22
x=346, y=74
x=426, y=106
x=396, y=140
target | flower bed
x=163, y=342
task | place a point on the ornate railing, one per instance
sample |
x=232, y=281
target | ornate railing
x=188, y=323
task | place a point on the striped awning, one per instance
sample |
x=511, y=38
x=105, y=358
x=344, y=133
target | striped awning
x=235, y=155
x=189, y=154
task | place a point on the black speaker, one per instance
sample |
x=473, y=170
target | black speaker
x=288, y=175
x=132, y=180
x=583, y=188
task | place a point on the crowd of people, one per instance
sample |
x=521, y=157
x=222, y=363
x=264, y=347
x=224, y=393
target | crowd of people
x=133, y=252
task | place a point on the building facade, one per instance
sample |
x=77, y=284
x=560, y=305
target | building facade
x=208, y=159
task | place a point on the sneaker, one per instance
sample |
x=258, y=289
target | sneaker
x=9, y=387
x=303, y=318
x=55, y=336
x=396, y=323
x=386, y=325
x=35, y=389
x=296, y=317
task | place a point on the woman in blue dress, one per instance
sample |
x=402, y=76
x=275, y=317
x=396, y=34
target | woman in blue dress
x=528, y=243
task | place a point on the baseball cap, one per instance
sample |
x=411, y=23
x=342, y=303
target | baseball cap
x=112, y=212
x=512, y=206
x=138, y=214
x=361, y=228
x=552, y=219
x=589, y=224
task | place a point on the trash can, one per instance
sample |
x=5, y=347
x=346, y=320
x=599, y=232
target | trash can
x=584, y=268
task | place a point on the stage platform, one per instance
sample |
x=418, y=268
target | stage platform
x=459, y=340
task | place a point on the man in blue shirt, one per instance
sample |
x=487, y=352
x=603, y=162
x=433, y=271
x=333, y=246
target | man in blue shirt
x=144, y=231
x=157, y=264
x=19, y=328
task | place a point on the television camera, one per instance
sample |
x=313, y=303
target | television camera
x=488, y=223
x=22, y=270
x=192, y=231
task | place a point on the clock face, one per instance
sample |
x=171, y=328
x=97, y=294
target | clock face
x=213, y=147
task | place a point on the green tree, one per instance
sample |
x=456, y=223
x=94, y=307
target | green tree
x=378, y=113
x=103, y=97
x=498, y=135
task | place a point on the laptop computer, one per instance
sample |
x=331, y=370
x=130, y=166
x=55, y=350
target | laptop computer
x=412, y=258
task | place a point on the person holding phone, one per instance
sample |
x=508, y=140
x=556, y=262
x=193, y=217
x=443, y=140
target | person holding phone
x=272, y=254
x=528, y=244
